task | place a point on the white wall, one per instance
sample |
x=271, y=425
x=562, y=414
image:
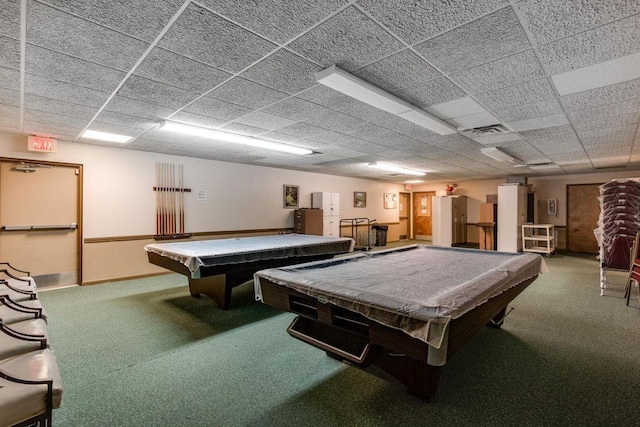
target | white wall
x=119, y=199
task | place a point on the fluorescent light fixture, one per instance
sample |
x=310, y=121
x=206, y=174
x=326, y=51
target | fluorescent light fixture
x=414, y=181
x=350, y=85
x=397, y=169
x=105, y=136
x=233, y=138
x=499, y=155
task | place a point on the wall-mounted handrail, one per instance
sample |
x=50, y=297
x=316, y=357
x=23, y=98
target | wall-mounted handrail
x=72, y=226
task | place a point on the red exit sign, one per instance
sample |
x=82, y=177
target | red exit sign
x=42, y=144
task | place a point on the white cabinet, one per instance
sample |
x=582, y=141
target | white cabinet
x=512, y=213
x=538, y=238
x=330, y=205
x=449, y=216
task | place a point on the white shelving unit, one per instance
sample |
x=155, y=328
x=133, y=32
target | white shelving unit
x=539, y=238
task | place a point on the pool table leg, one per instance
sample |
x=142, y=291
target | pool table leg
x=420, y=379
x=218, y=288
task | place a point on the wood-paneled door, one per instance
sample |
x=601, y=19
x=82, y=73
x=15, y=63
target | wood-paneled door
x=40, y=216
x=422, y=220
x=403, y=215
x=583, y=209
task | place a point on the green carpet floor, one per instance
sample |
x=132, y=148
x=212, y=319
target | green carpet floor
x=143, y=352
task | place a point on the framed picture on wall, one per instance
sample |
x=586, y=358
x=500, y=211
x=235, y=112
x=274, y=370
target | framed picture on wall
x=390, y=200
x=552, y=207
x=359, y=199
x=290, y=196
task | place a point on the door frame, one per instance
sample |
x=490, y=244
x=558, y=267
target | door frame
x=411, y=221
x=566, y=219
x=410, y=216
x=79, y=200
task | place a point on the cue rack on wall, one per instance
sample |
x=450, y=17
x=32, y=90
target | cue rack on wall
x=170, y=201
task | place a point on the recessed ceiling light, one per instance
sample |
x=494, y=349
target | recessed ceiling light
x=499, y=155
x=232, y=138
x=106, y=136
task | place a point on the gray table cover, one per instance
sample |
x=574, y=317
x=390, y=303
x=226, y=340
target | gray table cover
x=418, y=289
x=208, y=253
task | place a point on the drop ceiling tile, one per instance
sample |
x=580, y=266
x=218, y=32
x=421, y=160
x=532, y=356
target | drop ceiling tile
x=329, y=98
x=552, y=20
x=415, y=21
x=9, y=79
x=72, y=70
x=56, y=106
x=337, y=121
x=520, y=94
x=432, y=92
x=49, y=88
x=547, y=107
x=10, y=97
x=284, y=71
x=155, y=92
x=263, y=120
x=278, y=20
x=616, y=133
x=176, y=70
x=247, y=93
x=349, y=40
x=49, y=129
x=10, y=19
x=611, y=122
x=615, y=40
x=484, y=40
x=602, y=96
x=143, y=19
x=54, y=119
x=539, y=122
x=123, y=120
x=514, y=69
x=296, y=109
x=242, y=129
x=9, y=53
x=605, y=111
x=197, y=120
x=216, y=108
x=398, y=71
x=9, y=111
x=552, y=132
x=134, y=107
x=208, y=38
x=71, y=35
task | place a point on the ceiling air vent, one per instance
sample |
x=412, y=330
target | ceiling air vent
x=487, y=130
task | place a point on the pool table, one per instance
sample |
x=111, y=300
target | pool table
x=406, y=310
x=215, y=267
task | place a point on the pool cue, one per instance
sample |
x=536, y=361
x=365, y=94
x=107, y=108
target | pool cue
x=181, y=179
x=157, y=202
x=172, y=201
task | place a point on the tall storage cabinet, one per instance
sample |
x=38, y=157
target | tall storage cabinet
x=512, y=213
x=330, y=205
x=449, y=216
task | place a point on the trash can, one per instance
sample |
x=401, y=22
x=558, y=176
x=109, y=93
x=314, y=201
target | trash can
x=381, y=234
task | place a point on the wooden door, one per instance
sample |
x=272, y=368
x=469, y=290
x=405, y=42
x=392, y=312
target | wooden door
x=422, y=221
x=583, y=209
x=39, y=215
x=404, y=216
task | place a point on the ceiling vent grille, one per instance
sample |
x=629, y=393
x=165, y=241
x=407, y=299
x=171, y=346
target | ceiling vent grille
x=487, y=130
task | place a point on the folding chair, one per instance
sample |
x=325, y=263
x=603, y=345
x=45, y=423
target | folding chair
x=634, y=270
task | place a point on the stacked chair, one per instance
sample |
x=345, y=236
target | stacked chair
x=618, y=225
x=30, y=383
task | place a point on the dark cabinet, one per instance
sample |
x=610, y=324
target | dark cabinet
x=307, y=221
